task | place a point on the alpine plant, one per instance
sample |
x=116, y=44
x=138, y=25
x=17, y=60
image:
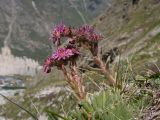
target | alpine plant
x=65, y=57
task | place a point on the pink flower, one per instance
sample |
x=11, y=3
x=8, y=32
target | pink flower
x=62, y=54
x=48, y=64
x=61, y=31
x=57, y=33
x=87, y=33
x=65, y=53
x=59, y=57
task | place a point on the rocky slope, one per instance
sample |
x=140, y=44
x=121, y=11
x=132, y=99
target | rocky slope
x=133, y=27
x=153, y=111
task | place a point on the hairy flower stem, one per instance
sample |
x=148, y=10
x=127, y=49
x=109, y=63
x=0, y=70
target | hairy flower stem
x=105, y=70
x=67, y=76
x=78, y=81
x=75, y=81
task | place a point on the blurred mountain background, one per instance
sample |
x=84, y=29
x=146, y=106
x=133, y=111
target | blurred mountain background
x=25, y=25
x=25, y=28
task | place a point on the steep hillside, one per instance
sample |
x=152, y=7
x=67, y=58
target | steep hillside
x=134, y=27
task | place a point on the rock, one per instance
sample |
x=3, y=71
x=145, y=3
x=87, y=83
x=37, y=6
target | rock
x=153, y=112
x=11, y=65
x=42, y=117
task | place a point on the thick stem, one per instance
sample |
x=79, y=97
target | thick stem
x=75, y=81
x=78, y=80
x=67, y=76
x=105, y=70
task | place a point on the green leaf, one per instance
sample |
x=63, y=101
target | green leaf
x=140, y=78
x=52, y=113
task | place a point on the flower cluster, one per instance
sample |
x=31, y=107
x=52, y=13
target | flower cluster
x=63, y=55
x=84, y=36
x=87, y=33
x=59, y=57
x=57, y=33
x=60, y=31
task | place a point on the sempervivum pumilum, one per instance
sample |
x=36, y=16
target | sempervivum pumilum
x=65, y=58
